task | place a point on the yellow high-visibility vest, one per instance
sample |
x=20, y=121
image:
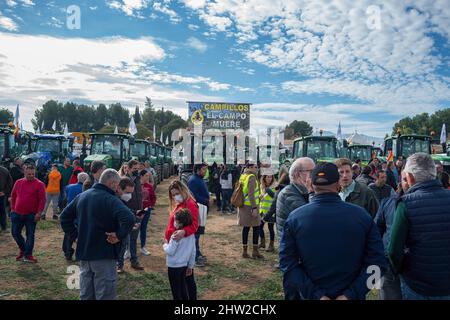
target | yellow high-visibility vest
x=265, y=202
x=244, y=180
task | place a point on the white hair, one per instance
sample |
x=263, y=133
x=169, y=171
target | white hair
x=82, y=177
x=296, y=168
x=421, y=166
x=108, y=175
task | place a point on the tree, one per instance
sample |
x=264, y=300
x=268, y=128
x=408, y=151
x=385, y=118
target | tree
x=101, y=116
x=6, y=116
x=174, y=124
x=137, y=115
x=299, y=128
x=118, y=115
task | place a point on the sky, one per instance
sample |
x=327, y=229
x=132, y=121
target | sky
x=366, y=64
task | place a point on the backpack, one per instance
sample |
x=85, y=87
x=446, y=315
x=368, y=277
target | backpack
x=237, y=198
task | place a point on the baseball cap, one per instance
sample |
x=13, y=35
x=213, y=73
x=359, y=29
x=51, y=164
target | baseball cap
x=327, y=173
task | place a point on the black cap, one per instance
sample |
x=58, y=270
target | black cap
x=328, y=172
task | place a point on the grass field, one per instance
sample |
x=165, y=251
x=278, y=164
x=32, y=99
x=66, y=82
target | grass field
x=226, y=276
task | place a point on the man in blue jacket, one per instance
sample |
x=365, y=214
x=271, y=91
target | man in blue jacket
x=199, y=190
x=102, y=222
x=330, y=249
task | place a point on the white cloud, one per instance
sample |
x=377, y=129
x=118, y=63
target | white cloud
x=11, y=3
x=27, y=2
x=163, y=7
x=194, y=4
x=197, y=45
x=55, y=23
x=193, y=27
x=34, y=69
x=7, y=23
x=130, y=7
x=93, y=8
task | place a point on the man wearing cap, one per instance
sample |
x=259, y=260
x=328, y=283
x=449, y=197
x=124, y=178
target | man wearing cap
x=330, y=248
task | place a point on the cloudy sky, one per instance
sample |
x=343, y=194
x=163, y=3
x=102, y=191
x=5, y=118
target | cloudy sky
x=364, y=63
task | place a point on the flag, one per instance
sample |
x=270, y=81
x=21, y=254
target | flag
x=66, y=131
x=339, y=132
x=161, y=138
x=42, y=127
x=54, y=126
x=16, y=117
x=390, y=156
x=443, y=134
x=16, y=122
x=116, y=130
x=154, y=133
x=167, y=140
x=132, y=128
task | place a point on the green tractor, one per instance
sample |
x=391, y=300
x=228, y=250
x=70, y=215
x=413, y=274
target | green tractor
x=143, y=150
x=360, y=151
x=168, y=168
x=403, y=146
x=12, y=147
x=112, y=149
x=319, y=148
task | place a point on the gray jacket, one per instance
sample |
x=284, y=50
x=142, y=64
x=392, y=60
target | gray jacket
x=290, y=198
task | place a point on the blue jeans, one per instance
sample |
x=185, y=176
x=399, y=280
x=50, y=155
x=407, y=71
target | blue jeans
x=226, y=199
x=17, y=224
x=409, y=294
x=2, y=213
x=197, y=246
x=129, y=243
x=144, y=224
x=62, y=198
x=390, y=288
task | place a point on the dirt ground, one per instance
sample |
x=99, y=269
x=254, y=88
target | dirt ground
x=226, y=276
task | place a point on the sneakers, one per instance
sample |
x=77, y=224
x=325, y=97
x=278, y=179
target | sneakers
x=120, y=270
x=201, y=261
x=145, y=252
x=43, y=217
x=20, y=256
x=127, y=255
x=137, y=266
x=30, y=259
x=55, y=217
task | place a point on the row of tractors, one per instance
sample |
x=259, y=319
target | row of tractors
x=328, y=149
x=113, y=149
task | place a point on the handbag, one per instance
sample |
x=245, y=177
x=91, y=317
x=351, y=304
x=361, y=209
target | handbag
x=202, y=214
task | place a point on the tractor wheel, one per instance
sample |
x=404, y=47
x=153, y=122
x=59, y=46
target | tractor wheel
x=166, y=169
x=185, y=177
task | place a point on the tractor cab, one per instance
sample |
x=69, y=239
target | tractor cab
x=112, y=149
x=360, y=151
x=318, y=148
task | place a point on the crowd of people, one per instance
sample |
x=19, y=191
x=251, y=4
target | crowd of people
x=335, y=222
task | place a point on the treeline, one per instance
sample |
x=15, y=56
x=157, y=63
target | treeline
x=424, y=123
x=297, y=129
x=102, y=118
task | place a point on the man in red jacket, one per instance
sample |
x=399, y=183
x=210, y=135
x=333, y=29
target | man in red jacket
x=27, y=204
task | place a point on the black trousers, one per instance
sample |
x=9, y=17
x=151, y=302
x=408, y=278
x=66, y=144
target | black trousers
x=245, y=232
x=271, y=230
x=67, y=246
x=183, y=288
